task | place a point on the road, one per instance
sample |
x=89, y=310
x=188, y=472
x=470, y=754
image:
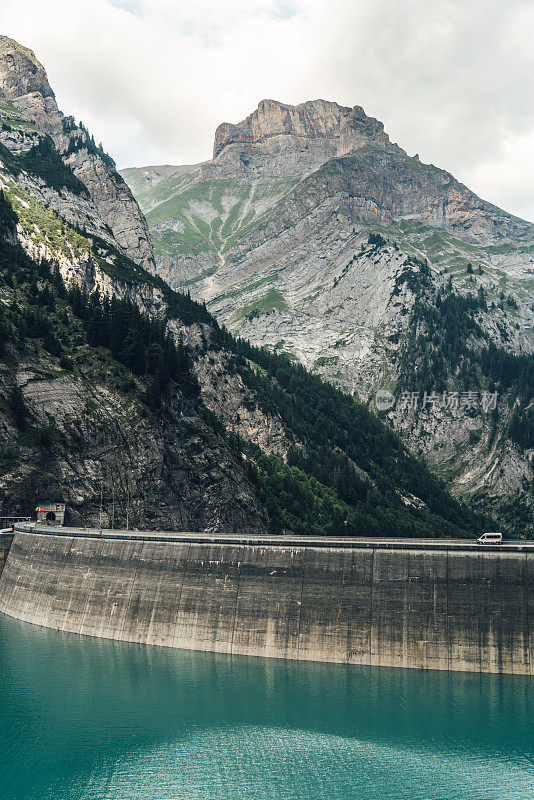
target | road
x=470, y=545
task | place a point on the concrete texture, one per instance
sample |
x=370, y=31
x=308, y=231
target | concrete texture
x=6, y=538
x=468, y=608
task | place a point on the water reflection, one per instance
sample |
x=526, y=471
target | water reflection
x=89, y=718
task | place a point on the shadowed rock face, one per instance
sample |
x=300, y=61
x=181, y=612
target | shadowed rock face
x=26, y=96
x=162, y=474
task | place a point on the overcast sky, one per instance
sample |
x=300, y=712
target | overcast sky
x=450, y=79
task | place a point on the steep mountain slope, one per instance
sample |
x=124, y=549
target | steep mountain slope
x=28, y=111
x=128, y=400
x=312, y=234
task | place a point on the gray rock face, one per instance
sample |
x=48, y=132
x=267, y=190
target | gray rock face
x=290, y=140
x=159, y=475
x=27, y=99
x=115, y=206
x=273, y=235
x=226, y=395
x=23, y=83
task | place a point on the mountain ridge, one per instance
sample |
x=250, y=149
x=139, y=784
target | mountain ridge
x=275, y=238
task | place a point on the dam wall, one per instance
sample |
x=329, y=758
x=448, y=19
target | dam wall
x=393, y=604
x=6, y=538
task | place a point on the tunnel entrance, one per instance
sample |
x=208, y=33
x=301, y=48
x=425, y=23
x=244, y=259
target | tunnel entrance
x=51, y=512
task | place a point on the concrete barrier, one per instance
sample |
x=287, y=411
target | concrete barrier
x=458, y=606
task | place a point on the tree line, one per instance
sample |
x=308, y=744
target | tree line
x=140, y=343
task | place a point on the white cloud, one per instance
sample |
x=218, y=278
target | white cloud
x=450, y=79
x=510, y=176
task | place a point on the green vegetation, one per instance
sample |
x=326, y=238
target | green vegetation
x=142, y=344
x=272, y=301
x=437, y=344
x=15, y=122
x=324, y=361
x=41, y=316
x=515, y=376
x=44, y=161
x=44, y=226
x=214, y=215
x=296, y=501
x=9, y=160
x=112, y=262
x=347, y=450
x=238, y=292
x=170, y=243
x=440, y=353
x=8, y=218
x=84, y=141
x=17, y=406
x=415, y=274
x=7, y=106
x=377, y=239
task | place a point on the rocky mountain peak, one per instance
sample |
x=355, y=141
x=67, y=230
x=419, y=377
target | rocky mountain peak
x=27, y=97
x=24, y=85
x=294, y=138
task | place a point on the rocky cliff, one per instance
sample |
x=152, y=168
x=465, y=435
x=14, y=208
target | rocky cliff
x=310, y=233
x=285, y=140
x=28, y=112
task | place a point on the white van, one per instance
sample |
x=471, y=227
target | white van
x=490, y=538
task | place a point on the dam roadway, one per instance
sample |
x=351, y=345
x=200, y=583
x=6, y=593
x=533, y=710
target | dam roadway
x=431, y=604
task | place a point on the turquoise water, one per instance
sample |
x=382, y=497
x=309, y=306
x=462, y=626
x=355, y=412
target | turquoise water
x=86, y=719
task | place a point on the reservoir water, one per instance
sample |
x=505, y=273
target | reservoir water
x=89, y=719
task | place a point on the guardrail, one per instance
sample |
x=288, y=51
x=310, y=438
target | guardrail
x=255, y=540
x=13, y=520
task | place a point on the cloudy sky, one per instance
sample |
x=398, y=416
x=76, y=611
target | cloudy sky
x=450, y=79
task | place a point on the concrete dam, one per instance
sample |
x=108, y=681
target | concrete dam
x=398, y=603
